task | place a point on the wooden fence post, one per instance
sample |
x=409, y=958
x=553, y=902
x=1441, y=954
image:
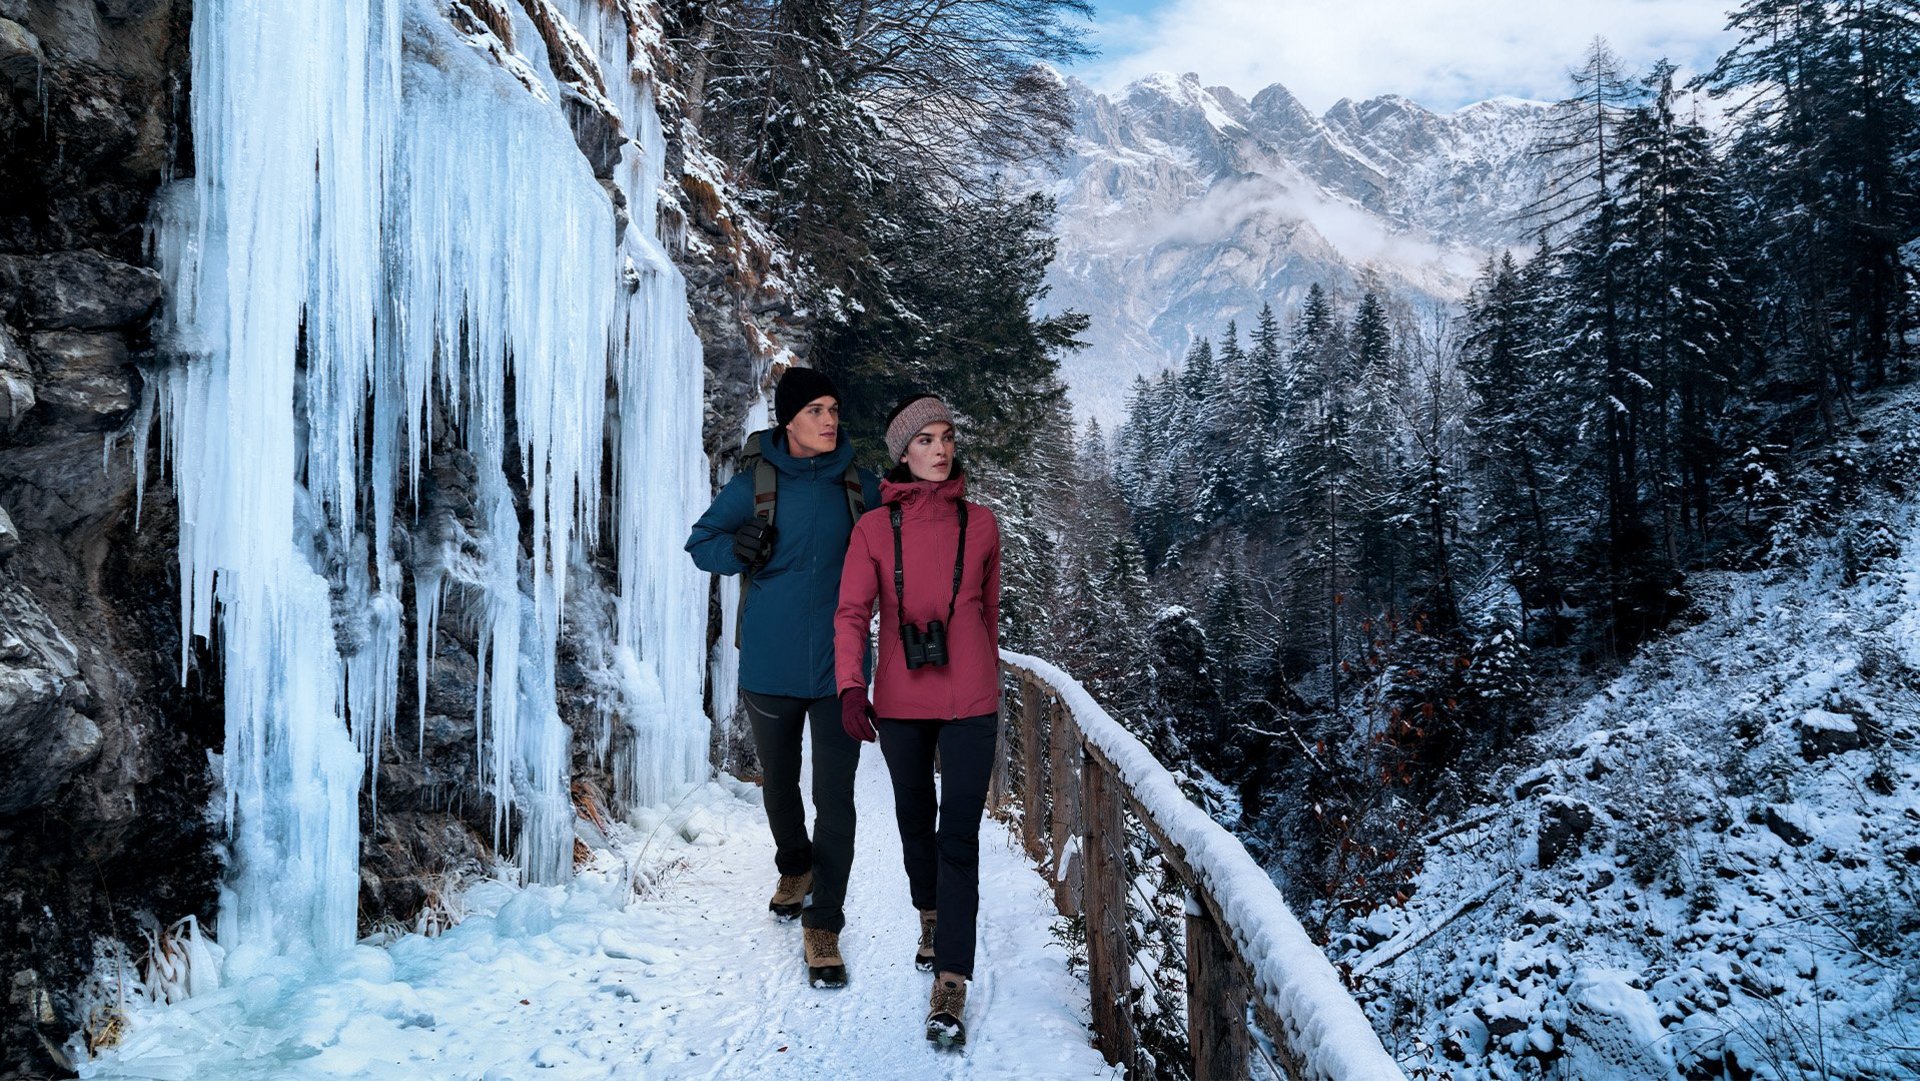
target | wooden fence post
x=1064, y=746
x=997, y=777
x=1216, y=998
x=1033, y=789
x=1109, y=953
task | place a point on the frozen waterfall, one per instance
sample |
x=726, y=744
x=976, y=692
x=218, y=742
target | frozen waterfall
x=390, y=227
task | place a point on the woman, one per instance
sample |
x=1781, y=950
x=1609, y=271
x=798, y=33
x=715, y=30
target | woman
x=791, y=560
x=932, y=562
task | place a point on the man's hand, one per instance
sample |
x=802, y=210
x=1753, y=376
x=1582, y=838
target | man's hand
x=753, y=543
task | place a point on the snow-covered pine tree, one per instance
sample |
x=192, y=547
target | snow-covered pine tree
x=1161, y=493
x=1267, y=395
x=1597, y=378
x=1240, y=647
x=1381, y=484
x=1318, y=480
x=1827, y=111
x=1503, y=360
x=1136, y=443
x=1220, y=431
x=1436, y=477
x=1681, y=294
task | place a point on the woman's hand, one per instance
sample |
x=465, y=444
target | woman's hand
x=856, y=716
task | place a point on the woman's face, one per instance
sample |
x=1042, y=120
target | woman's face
x=815, y=430
x=930, y=452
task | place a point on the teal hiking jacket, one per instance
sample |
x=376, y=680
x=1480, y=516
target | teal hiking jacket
x=786, y=637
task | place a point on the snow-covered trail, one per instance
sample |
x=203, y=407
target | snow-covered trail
x=694, y=979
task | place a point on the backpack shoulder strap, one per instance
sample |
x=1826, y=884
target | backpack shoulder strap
x=766, y=497
x=766, y=490
x=856, y=492
x=766, y=479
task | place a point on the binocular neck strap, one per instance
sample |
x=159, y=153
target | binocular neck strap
x=899, y=563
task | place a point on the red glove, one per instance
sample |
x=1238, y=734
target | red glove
x=856, y=716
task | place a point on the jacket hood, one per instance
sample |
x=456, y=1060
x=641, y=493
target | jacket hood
x=915, y=493
x=833, y=462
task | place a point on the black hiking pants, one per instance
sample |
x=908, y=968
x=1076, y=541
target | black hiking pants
x=778, y=723
x=940, y=835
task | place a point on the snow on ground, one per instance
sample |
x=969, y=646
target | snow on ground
x=1711, y=868
x=691, y=979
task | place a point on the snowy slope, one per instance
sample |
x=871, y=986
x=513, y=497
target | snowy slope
x=1712, y=867
x=693, y=978
x=1183, y=206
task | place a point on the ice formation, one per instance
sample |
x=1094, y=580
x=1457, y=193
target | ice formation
x=388, y=229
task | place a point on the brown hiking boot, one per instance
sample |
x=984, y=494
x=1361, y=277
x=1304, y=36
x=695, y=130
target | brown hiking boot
x=790, y=894
x=946, y=1012
x=825, y=966
x=923, y=956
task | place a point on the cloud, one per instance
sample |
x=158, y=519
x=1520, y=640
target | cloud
x=1441, y=53
x=1360, y=238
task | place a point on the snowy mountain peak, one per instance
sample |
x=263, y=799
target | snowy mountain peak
x=1181, y=98
x=1184, y=205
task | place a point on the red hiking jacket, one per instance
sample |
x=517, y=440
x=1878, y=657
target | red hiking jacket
x=968, y=685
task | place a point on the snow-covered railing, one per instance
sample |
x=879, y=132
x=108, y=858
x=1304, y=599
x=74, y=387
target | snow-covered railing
x=1077, y=773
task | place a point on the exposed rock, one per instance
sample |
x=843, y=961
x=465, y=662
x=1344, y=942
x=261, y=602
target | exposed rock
x=127, y=10
x=1563, y=824
x=409, y=860
x=1823, y=733
x=81, y=289
x=16, y=382
x=596, y=133
x=62, y=483
x=1782, y=821
x=39, y=683
x=70, y=32
x=104, y=779
x=88, y=384
x=20, y=57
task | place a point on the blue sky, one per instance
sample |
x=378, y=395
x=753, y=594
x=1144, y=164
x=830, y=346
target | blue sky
x=1442, y=53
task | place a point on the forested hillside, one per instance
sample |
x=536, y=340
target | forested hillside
x=1359, y=562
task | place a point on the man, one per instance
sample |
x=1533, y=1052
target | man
x=783, y=522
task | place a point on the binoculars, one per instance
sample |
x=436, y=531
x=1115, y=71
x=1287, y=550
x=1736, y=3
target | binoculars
x=924, y=648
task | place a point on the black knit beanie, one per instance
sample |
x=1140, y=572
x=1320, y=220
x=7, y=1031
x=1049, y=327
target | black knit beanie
x=798, y=387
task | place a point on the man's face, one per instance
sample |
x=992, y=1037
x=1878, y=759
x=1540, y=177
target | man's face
x=815, y=429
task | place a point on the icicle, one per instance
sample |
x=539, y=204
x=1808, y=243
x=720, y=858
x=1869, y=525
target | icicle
x=275, y=248
x=660, y=470
x=375, y=233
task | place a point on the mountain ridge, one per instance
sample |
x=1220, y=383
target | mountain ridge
x=1183, y=206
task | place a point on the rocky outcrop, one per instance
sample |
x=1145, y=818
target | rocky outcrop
x=103, y=824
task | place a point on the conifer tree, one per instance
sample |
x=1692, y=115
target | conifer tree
x=1680, y=290
x=1319, y=474
x=1503, y=358
x=1828, y=112
x=1597, y=374
x=1380, y=481
x=1220, y=431
x=1266, y=435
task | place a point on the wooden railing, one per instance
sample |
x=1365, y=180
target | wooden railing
x=1072, y=774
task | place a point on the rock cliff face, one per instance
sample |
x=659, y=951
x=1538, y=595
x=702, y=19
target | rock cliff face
x=103, y=803
x=1183, y=206
x=109, y=819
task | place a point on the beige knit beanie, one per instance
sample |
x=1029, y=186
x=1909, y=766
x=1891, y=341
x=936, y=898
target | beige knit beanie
x=909, y=417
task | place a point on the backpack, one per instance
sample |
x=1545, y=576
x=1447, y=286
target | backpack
x=766, y=499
